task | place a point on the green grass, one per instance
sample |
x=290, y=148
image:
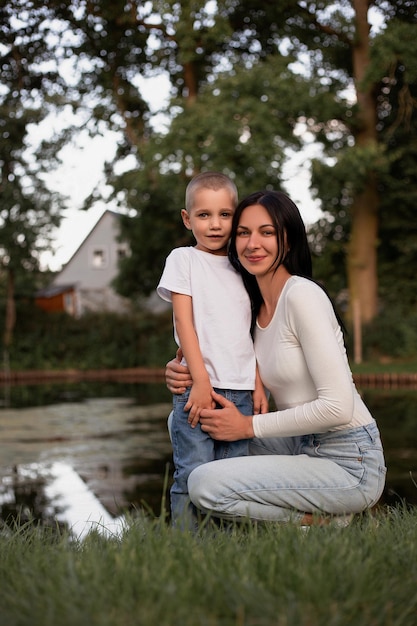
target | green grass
x=270, y=575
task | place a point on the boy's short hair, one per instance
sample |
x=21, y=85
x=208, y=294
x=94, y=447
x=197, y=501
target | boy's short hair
x=209, y=180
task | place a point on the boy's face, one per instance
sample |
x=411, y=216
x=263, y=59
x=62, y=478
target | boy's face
x=210, y=219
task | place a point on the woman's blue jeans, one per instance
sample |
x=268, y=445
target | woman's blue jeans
x=335, y=473
x=192, y=447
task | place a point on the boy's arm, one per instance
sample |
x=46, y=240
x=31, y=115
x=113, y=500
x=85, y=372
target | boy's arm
x=260, y=399
x=200, y=394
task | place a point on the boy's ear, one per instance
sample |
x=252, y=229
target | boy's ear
x=186, y=219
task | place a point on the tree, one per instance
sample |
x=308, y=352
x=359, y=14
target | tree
x=244, y=78
x=29, y=211
x=249, y=80
x=353, y=184
x=225, y=113
x=393, y=71
x=397, y=129
x=209, y=134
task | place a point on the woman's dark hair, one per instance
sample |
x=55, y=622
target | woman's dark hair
x=293, y=249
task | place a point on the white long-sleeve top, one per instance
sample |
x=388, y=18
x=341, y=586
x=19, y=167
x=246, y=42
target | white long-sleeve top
x=302, y=361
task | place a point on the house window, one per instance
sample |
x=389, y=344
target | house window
x=121, y=252
x=99, y=258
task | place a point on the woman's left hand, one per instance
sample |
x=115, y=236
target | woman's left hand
x=227, y=423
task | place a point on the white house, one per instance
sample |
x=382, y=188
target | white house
x=84, y=283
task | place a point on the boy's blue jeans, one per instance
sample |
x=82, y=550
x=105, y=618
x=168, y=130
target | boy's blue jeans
x=193, y=447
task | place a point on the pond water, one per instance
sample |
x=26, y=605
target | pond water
x=83, y=455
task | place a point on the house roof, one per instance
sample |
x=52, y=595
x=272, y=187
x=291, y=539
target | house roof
x=54, y=290
x=106, y=212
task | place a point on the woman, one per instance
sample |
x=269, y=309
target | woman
x=320, y=452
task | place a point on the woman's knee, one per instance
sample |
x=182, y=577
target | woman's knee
x=199, y=488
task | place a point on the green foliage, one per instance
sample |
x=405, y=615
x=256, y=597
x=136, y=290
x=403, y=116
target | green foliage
x=249, y=80
x=394, y=161
x=271, y=575
x=29, y=210
x=199, y=140
x=157, y=228
x=392, y=334
x=398, y=192
x=100, y=341
x=327, y=238
x=95, y=341
x=241, y=120
x=396, y=45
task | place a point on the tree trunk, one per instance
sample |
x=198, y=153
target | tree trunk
x=8, y=334
x=10, y=311
x=362, y=253
x=362, y=258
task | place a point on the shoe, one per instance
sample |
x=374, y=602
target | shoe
x=338, y=521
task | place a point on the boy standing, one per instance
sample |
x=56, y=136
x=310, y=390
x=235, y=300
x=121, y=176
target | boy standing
x=212, y=319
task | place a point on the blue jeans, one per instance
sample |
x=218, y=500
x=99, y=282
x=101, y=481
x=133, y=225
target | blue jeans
x=192, y=447
x=336, y=473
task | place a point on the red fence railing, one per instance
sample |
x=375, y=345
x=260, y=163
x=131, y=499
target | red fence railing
x=384, y=380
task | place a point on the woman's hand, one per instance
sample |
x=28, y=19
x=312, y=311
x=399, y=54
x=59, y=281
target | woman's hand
x=227, y=423
x=177, y=376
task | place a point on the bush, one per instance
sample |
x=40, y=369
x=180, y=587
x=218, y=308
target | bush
x=391, y=334
x=95, y=341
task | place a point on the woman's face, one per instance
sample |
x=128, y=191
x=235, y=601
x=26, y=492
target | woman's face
x=256, y=241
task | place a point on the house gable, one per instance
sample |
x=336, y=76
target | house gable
x=93, y=267
x=95, y=263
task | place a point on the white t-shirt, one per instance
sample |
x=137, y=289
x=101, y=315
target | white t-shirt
x=221, y=310
x=302, y=361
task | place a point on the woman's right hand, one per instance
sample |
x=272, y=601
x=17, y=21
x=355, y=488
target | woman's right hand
x=177, y=376
x=226, y=423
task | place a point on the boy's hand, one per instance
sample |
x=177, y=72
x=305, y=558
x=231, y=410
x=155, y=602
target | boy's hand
x=260, y=401
x=259, y=397
x=200, y=398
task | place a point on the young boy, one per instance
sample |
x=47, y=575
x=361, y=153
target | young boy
x=212, y=318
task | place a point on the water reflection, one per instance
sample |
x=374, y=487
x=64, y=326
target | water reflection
x=117, y=447
x=54, y=495
x=22, y=396
x=79, y=509
x=85, y=455
x=23, y=498
x=396, y=413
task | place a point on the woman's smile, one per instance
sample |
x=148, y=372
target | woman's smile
x=255, y=258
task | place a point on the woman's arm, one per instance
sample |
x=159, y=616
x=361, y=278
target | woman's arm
x=317, y=333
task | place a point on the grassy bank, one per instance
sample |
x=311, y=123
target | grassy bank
x=272, y=575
